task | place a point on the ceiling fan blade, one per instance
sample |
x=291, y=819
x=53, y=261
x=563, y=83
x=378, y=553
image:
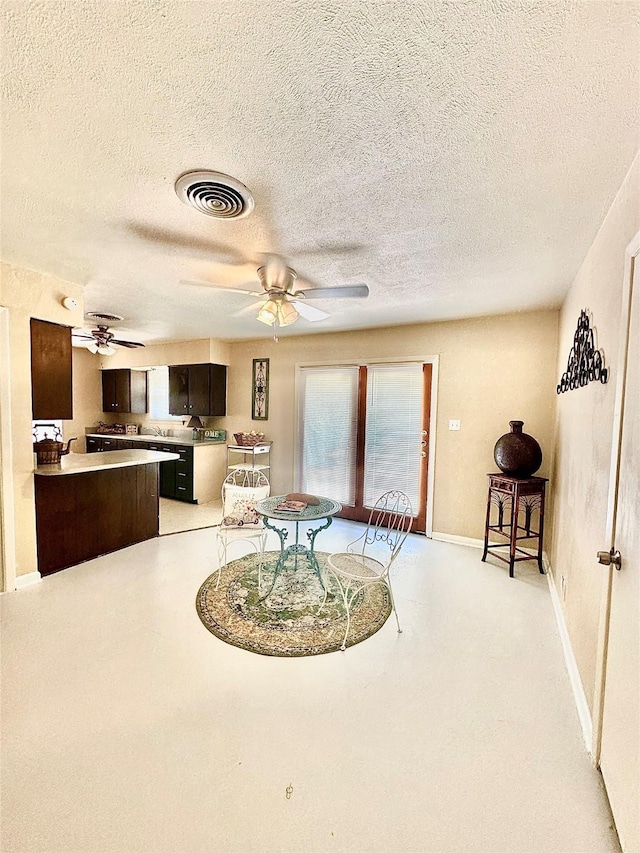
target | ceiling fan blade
x=126, y=343
x=248, y=310
x=82, y=337
x=309, y=312
x=220, y=287
x=354, y=291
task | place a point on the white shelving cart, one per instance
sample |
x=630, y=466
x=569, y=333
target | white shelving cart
x=256, y=456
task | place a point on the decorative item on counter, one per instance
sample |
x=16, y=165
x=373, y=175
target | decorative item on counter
x=197, y=426
x=117, y=429
x=586, y=363
x=516, y=453
x=249, y=439
x=49, y=450
x=260, y=390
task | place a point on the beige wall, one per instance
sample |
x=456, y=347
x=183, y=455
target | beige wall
x=27, y=294
x=584, y=431
x=87, y=397
x=206, y=350
x=492, y=370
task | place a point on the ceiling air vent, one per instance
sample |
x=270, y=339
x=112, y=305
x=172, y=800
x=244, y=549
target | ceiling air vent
x=99, y=316
x=215, y=194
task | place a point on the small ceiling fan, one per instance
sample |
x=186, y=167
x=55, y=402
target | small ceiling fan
x=102, y=340
x=281, y=302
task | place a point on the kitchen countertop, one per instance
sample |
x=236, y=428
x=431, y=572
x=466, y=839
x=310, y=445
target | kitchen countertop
x=80, y=463
x=161, y=439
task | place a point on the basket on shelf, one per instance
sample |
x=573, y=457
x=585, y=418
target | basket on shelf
x=247, y=439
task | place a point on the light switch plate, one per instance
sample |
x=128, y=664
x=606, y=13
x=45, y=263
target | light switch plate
x=454, y=424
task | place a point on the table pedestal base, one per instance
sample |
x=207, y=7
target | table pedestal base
x=294, y=550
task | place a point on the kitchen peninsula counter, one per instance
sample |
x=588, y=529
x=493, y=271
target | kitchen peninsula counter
x=93, y=504
x=79, y=463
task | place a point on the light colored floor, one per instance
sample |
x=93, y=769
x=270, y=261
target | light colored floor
x=176, y=516
x=128, y=727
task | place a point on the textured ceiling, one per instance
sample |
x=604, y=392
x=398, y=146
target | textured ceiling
x=458, y=157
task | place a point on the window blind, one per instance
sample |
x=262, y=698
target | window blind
x=158, y=394
x=393, y=431
x=328, y=423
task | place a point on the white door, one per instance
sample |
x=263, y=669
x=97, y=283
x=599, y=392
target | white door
x=620, y=747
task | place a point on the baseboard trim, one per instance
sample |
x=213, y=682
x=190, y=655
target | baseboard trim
x=579, y=697
x=23, y=581
x=458, y=540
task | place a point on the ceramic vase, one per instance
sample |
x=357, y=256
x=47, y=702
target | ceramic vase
x=516, y=453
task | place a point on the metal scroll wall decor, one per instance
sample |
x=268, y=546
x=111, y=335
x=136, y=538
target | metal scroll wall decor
x=260, y=401
x=586, y=363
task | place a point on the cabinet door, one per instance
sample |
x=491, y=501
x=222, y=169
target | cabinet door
x=217, y=389
x=109, y=444
x=109, y=390
x=168, y=474
x=138, y=392
x=51, y=371
x=179, y=389
x=199, y=389
x=122, y=390
x=148, y=506
x=94, y=445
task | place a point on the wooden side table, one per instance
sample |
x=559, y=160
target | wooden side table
x=516, y=500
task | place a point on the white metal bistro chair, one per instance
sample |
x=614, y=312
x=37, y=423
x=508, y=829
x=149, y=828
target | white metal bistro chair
x=241, y=491
x=368, y=559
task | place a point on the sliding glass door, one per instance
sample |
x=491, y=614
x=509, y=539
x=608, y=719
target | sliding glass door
x=363, y=430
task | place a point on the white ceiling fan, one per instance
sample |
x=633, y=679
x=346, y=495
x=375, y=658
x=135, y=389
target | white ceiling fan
x=282, y=302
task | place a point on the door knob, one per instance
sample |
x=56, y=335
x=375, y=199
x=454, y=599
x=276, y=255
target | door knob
x=608, y=558
x=422, y=453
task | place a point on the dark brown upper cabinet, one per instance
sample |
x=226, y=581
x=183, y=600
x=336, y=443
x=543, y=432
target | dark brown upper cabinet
x=198, y=389
x=51, y=371
x=124, y=390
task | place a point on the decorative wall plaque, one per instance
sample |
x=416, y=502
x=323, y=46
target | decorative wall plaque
x=260, y=401
x=586, y=363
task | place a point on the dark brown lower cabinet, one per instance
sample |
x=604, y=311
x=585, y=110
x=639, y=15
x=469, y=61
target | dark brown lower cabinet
x=81, y=516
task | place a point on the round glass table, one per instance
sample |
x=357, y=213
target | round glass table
x=323, y=511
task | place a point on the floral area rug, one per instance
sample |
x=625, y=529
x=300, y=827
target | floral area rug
x=289, y=622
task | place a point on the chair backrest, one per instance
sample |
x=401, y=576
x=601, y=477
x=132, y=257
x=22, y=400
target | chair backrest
x=390, y=521
x=247, y=484
x=245, y=478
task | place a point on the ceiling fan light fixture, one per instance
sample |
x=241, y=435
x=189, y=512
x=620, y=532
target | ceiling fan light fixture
x=268, y=313
x=105, y=349
x=92, y=348
x=287, y=313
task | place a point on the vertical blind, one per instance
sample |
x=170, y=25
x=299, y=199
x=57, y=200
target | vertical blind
x=328, y=424
x=393, y=431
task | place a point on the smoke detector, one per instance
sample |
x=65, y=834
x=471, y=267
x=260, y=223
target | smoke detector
x=102, y=317
x=215, y=194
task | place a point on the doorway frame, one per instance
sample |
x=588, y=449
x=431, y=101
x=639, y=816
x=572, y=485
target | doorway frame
x=434, y=361
x=631, y=260
x=7, y=506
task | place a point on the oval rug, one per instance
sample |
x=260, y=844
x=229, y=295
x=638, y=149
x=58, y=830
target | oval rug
x=289, y=623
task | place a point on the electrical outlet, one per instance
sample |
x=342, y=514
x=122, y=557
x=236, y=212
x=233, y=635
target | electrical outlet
x=454, y=424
